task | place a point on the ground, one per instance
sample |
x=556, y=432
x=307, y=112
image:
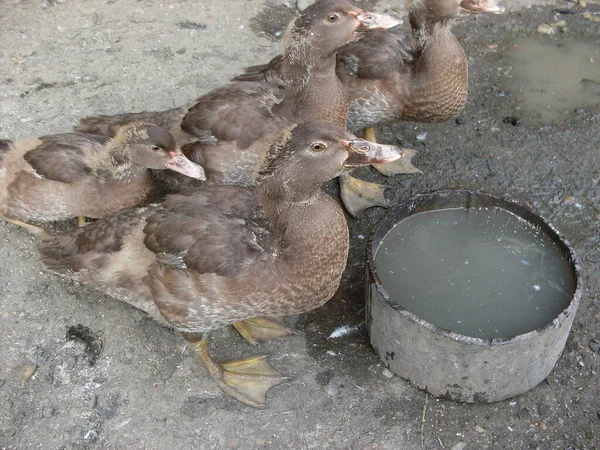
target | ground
x=137, y=385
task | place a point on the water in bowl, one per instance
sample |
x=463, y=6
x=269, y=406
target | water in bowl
x=480, y=272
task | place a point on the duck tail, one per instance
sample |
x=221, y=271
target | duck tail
x=270, y=72
x=59, y=253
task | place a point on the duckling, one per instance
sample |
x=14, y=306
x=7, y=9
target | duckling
x=220, y=254
x=62, y=176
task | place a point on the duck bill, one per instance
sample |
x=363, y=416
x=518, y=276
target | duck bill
x=179, y=163
x=370, y=21
x=364, y=153
x=481, y=6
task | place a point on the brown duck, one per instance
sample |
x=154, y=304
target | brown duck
x=228, y=130
x=67, y=175
x=389, y=78
x=221, y=254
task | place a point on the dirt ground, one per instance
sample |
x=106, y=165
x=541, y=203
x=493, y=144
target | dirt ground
x=136, y=385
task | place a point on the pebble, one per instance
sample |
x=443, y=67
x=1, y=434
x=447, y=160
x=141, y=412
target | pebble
x=544, y=28
x=513, y=120
x=479, y=429
x=387, y=373
x=523, y=413
x=459, y=446
x=591, y=17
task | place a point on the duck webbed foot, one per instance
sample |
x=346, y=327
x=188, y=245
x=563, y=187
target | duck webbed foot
x=358, y=195
x=402, y=165
x=31, y=228
x=246, y=380
x=261, y=329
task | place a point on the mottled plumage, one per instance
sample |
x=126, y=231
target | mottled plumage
x=223, y=254
x=80, y=174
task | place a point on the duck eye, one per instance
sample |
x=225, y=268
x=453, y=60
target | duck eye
x=155, y=148
x=332, y=17
x=318, y=147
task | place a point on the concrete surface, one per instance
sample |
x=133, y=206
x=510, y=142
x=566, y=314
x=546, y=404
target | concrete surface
x=64, y=59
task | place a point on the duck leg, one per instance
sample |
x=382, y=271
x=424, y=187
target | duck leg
x=261, y=329
x=369, y=134
x=81, y=221
x=246, y=380
x=402, y=165
x=33, y=229
x=358, y=195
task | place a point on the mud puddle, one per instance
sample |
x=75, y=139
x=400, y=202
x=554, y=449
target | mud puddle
x=553, y=78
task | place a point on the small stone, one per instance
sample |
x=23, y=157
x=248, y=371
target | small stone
x=588, y=16
x=479, y=429
x=542, y=409
x=542, y=426
x=523, y=413
x=459, y=121
x=91, y=436
x=544, y=28
x=459, y=446
x=387, y=373
x=513, y=120
x=233, y=443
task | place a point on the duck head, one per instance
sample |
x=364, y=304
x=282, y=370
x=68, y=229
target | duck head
x=327, y=25
x=153, y=147
x=312, y=153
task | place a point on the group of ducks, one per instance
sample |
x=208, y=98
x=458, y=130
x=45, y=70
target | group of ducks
x=247, y=232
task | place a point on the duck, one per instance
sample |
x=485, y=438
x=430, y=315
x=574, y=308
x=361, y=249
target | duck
x=228, y=129
x=392, y=78
x=62, y=176
x=219, y=254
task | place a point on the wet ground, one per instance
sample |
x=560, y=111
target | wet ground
x=80, y=370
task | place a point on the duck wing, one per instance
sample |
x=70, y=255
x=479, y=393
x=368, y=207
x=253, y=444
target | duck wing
x=218, y=229
x=63, y=157
x=377, y=56
x=109, y=125
x=90, y=248
x=239, y=112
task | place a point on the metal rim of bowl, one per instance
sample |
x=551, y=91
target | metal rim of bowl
x=546, y=227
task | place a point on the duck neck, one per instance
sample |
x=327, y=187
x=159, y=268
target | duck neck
x=119, y=163
x=440, y=74
x=308, y=223
x=313, y=90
